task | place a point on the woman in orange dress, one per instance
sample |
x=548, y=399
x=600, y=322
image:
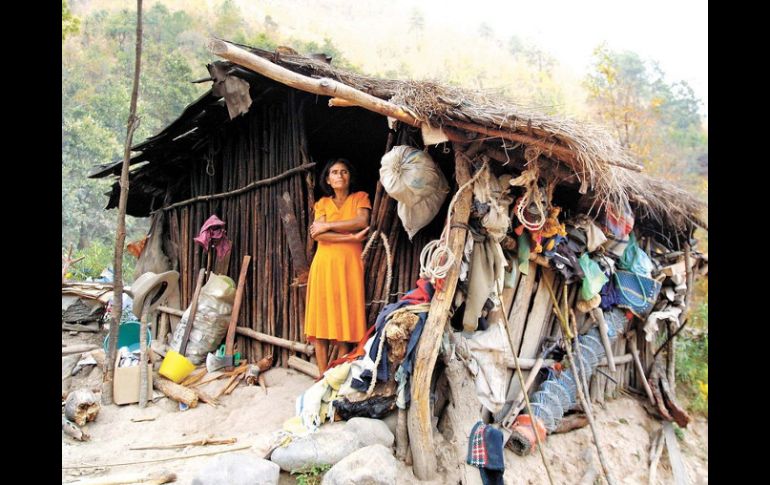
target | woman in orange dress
x=335, y=287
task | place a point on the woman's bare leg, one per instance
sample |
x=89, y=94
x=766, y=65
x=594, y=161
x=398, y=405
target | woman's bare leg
x=321, y=354
x=344, y=348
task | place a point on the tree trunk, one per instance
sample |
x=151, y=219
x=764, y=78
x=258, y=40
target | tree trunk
x=120, y=237
x=462, y=413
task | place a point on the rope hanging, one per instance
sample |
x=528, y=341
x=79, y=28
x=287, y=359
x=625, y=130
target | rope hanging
x=436, y=259
x=388, y=258
x=528, y=180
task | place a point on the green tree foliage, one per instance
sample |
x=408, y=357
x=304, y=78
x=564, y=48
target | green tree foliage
x=70, y=24
x=229, y=23
x=658, y=121
x=97, y=70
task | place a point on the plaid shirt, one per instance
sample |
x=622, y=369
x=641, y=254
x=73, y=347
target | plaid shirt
x=477, y=453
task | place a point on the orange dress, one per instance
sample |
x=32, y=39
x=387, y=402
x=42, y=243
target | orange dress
x=335, y=287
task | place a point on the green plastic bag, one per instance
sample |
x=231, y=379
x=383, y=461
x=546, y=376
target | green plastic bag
x=593, y=279
x=634, y=259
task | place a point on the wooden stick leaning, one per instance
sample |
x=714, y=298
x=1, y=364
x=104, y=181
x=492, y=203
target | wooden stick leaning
x=599, y=315
x=419, y=420
x=581, y=395
x=120, y=235
x=524, y=388
x=193, y=312
x=589, y=414
x=639, y=367
x=230, y=339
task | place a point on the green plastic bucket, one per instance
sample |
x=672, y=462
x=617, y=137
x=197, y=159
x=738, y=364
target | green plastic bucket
x=128, y=336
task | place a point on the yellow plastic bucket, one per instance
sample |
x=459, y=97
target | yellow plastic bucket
x=175, y=366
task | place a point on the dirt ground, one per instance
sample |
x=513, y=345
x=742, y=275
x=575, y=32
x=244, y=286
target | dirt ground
x=251, y=417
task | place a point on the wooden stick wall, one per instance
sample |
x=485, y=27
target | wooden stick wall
x=259, y=146
x=256, y=147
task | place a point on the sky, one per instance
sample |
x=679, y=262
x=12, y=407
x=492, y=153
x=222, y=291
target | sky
x=672, y=32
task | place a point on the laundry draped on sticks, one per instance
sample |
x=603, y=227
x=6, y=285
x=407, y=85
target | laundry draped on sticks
x=597, y=268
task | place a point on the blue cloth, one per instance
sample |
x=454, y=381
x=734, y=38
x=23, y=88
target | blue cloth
x=608, y=295
x=557, y=240
x=422, y=294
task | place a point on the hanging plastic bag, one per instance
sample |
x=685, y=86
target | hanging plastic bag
x=634, y=259
x=618, y=220
x=593, y=279
x=412, y=178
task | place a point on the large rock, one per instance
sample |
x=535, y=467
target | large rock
x=371, y=465
x=391, y=420
x=68, y=363
x=370, y=431
x=331, y=443
x=324, y=447
x=238, y=469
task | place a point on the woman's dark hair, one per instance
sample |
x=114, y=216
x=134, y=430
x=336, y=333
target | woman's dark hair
x=325, y=187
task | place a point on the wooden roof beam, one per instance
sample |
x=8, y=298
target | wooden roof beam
x=551, y=149
x=322, y=86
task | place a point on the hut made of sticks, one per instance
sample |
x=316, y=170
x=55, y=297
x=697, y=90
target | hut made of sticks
x=250, y=149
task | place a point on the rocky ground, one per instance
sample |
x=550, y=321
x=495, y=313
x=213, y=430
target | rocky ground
x=252, y=417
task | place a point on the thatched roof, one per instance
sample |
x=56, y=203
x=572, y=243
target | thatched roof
x=586, y=150
x=597, y=153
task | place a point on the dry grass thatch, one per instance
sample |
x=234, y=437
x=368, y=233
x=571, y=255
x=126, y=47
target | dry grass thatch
x=590, y=151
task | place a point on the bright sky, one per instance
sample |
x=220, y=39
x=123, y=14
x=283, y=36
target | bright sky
x=672, y=32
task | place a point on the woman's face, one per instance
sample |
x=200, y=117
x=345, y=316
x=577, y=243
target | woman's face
x=339, y=177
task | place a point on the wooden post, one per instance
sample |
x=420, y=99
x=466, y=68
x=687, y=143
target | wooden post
x=120, y=237
x=419, y=416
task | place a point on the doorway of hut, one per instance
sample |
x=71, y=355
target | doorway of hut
x=352, y=133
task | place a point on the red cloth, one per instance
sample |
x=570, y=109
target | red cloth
x=619, y=220
x=135, y=248
x=213, y=233
x=421, y=294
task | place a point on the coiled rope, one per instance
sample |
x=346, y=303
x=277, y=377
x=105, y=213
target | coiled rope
x=436, y=259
